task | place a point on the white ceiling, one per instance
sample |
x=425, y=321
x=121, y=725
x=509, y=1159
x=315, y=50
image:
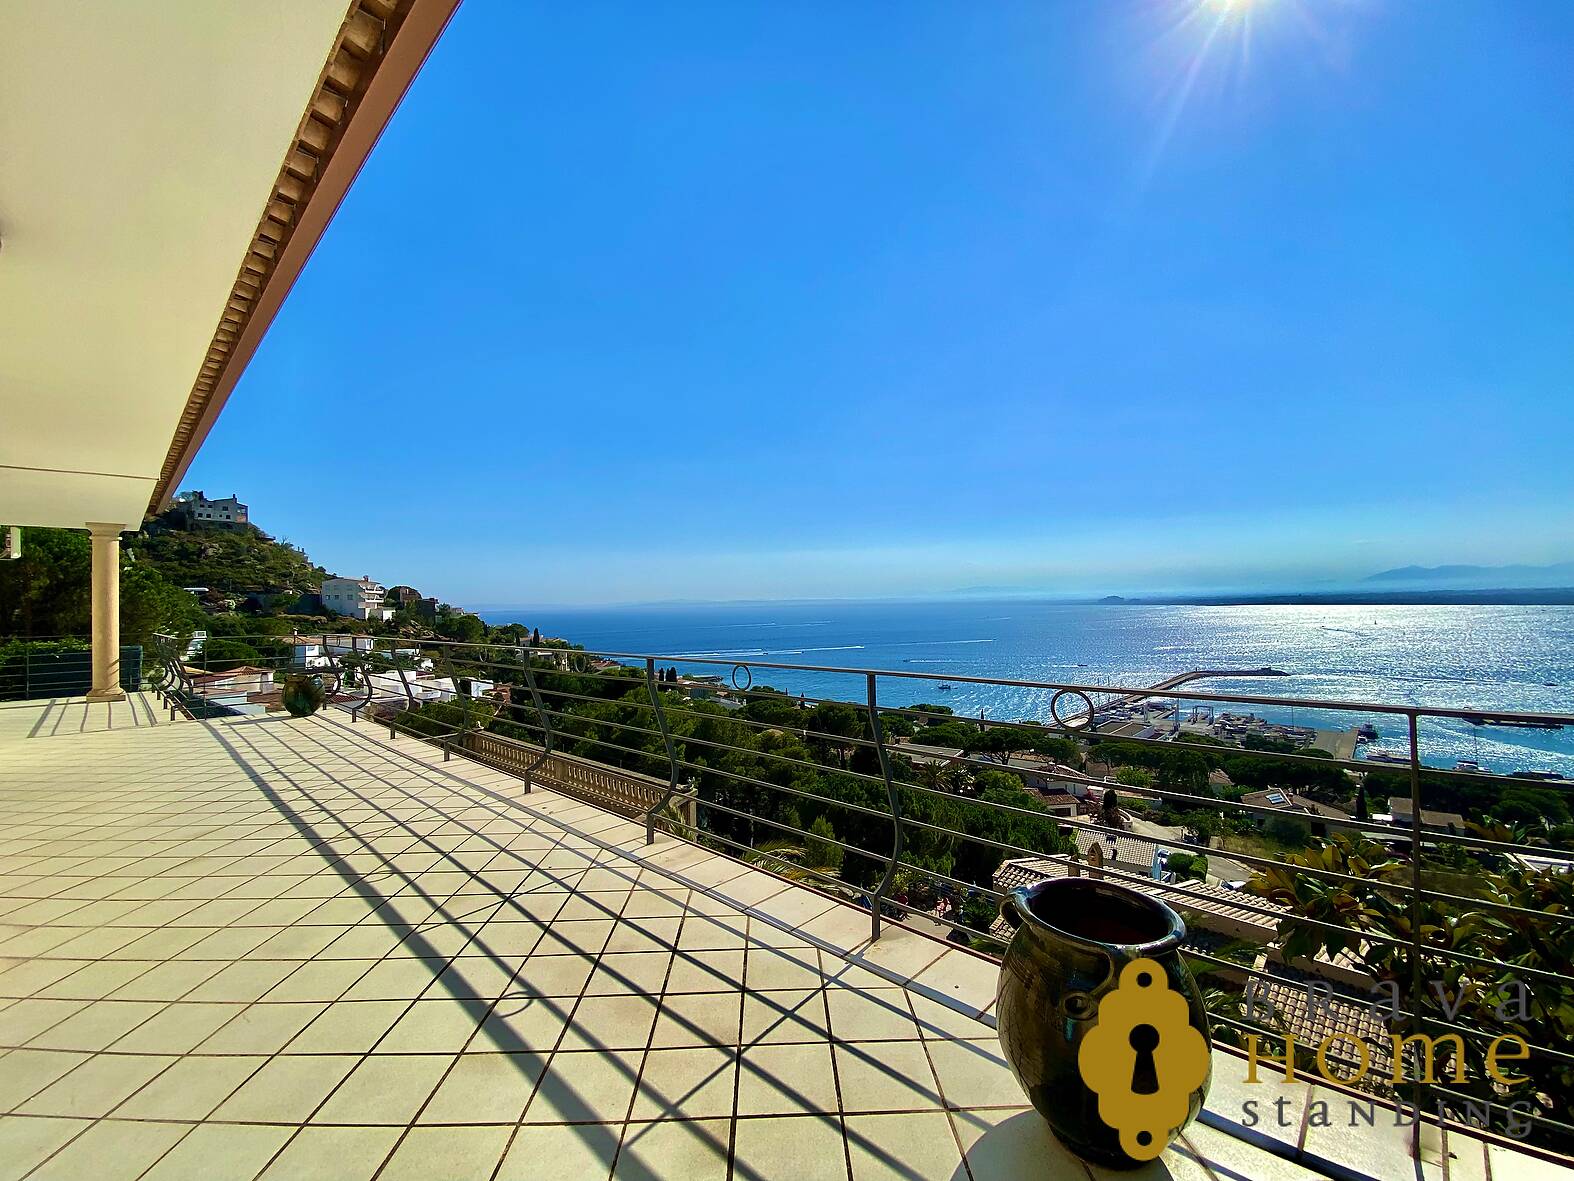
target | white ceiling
x=139, y=144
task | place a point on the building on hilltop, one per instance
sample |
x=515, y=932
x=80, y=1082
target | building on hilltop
x=359, y=598
x=407, y=598
x=198, y=512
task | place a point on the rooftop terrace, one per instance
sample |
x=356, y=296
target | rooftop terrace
x=266, y=947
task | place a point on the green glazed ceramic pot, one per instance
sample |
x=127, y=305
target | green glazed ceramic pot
x=303, y=695
x=1100, y=1019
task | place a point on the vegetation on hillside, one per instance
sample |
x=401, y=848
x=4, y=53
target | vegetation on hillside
x=237, y=562
x=775, y=770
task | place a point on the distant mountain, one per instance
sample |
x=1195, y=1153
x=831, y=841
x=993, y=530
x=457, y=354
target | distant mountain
x=1478, y=577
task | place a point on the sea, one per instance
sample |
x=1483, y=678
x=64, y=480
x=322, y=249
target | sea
x=1488, y=658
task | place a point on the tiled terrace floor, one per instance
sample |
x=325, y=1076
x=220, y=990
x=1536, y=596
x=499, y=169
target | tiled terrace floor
x=74, y=715
x=296, y=949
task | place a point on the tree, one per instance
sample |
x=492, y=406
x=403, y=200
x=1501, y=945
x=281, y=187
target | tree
x=823, y=853
x=1134, y=776
x=979, y=912
x=454, y=624
x=996, y=743
x=832, y=720
x=219, y=655
x=48, y=591
x=1187, y=866
x=1362, y=910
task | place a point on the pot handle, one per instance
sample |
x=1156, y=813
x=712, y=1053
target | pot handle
x=1008, y=911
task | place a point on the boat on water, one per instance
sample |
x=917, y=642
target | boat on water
x=1471, y=766
x=1386, y=756
x=945, y=687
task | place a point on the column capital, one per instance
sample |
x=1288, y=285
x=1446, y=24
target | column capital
x=105, y=528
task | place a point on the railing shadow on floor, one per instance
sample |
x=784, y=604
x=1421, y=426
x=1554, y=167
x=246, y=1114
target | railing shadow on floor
x=384, y=904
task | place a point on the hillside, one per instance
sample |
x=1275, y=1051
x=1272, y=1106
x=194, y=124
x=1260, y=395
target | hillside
x=243, y=562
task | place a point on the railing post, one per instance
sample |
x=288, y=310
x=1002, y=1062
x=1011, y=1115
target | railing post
x=453, y=679
x=672, y=753
x=546, y=721
x=1417, y=977
x=893, y=800
x=409, y=694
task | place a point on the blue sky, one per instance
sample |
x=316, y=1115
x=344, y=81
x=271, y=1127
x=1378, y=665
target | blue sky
x=638, y=302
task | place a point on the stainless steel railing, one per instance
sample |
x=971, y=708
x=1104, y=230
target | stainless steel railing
x=760, y=761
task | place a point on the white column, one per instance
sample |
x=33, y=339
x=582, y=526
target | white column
x=106, y=611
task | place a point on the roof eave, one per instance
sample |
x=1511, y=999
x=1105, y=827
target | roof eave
x=380, y=49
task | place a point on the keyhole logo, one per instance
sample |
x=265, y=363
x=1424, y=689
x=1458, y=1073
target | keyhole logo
x=1143, y=1059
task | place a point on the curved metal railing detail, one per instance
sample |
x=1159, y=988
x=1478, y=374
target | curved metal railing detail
x=672, y=754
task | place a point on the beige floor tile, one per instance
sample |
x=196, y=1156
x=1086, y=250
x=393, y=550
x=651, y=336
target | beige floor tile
x=245, y=980
x=112, y=1150
x=793, y=967
x=435, y=1026
x=25, y=1072
x=384, y=1089
x=601, y=905
x=397, y=979
x=885, y=1076
x=190, y=1089
x=298, y=942
x=286, y=1089
x=654, y=934
x=348, y=1027
x=640, y=973
x=522, y=1023
x=27, y=1019
x=582, y=936
x=785, y=1016
x=802, y=1148
x=167, y=981
x=859, y=1015
x=1506, y=1163
x=697, y=1019
x=961, y=978
x=653, y=903
x=610, y=1023
x=902, y=1147
x=94, y=1027
x=473, y=976
x=786, y=1080
x=333, y=1154
x=695, y=1150
x=95, y=981
x=560, y=1152
x=553, y=975
x=692, y=1083
x=319, y=980
x=584, y=1086
x=25, y=978
x=97, y=1086
x=259, y=1029
x=26, y=1142
x=428, y=1153
x=706, y=971
x=485, y=1088
x=220, y=1152
x=974, y=1074
x=709, y=934
x=943, y=1021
